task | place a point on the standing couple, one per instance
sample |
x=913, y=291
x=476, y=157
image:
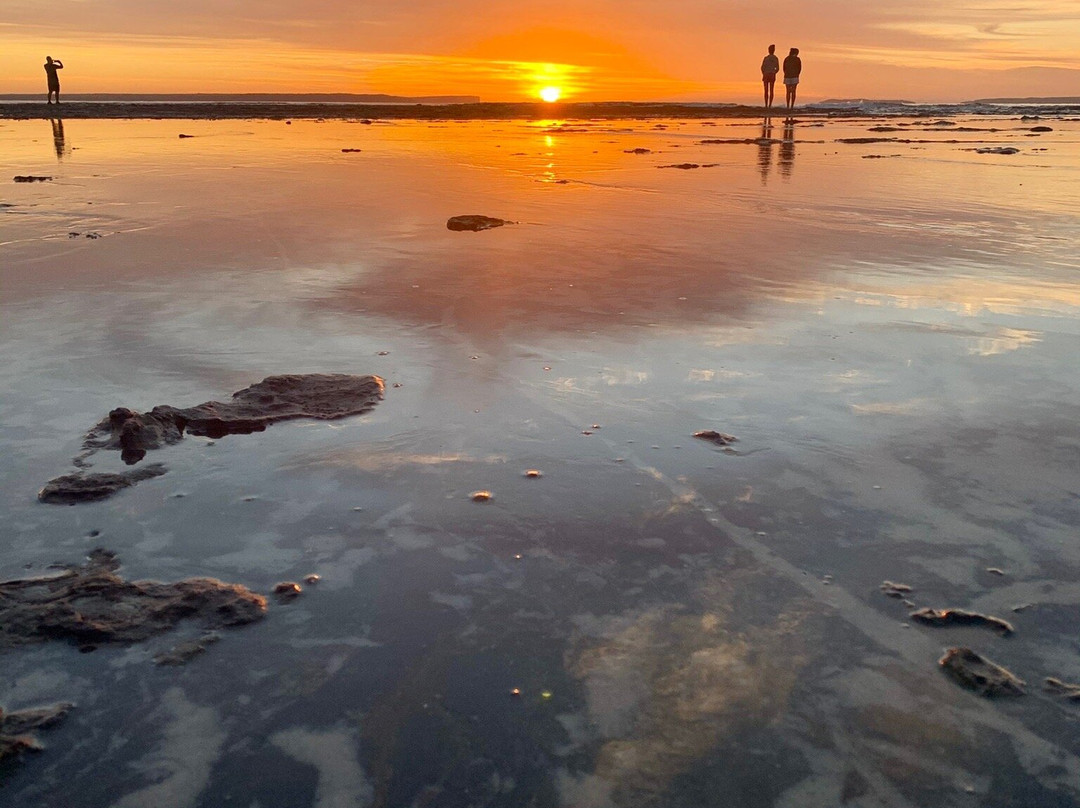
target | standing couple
x=770, y=66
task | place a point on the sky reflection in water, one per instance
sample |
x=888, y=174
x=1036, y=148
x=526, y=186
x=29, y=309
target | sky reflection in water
x=892, y=340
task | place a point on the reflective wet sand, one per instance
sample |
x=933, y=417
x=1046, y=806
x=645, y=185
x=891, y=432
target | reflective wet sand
x=888, y=328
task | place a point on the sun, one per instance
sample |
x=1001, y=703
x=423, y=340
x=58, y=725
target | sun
x=550, y=94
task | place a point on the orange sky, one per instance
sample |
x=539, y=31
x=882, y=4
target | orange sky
x=592, y=49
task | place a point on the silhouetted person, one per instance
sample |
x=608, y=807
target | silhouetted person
x=54, y=80
x=765, y=145
x=770, y=66
x=792, y=69
x=58, y=137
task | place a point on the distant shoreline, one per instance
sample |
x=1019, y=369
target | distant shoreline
x=202, y=110
x=196, y=110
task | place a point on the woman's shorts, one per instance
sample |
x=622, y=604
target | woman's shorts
x=791, y=82
x=768, y=78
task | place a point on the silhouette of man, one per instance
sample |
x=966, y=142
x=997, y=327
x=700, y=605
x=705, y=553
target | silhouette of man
x=792, y=69
x=54, y=81
x=770, y=66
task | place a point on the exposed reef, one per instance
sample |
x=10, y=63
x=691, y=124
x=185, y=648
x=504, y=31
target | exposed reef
x=474, y=222
x=91, y=605
x=960, y=617
x=1060, y=688
x=16, y=727
x=275, y=398
x=980, y=674
x=71, y=489
x=712, y=436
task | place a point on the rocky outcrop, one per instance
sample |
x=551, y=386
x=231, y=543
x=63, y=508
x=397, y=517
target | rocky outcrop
x=90, y=605
x=16, y=727
x=980, y=674
x=474, y=222
x=275, y=398
x=71, y=489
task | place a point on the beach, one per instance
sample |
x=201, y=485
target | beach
x=879, y=310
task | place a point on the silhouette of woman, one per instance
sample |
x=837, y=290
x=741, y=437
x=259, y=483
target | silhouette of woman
x=792, y=69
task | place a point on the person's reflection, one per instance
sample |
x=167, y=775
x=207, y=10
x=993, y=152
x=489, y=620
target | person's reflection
x=58, y=137
x=787, y=148
x=765, y=150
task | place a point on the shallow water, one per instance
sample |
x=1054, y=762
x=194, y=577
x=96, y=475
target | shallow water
x=893, y=341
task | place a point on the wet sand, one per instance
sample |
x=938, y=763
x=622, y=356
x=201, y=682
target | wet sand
x=654, y=619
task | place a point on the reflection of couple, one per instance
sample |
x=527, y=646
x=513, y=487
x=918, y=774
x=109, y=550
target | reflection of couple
x=787, y=149
x=770, y=66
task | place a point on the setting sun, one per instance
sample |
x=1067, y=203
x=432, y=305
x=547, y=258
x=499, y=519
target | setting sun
x=550, y=94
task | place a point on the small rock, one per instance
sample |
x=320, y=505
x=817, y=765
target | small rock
x=1060, y=688
x=980, y=674
x=474, y=222
x=350, y=151
x=1041, y=129
x=960, y=617
x=638, y=150
x=682, y=166
x=287, y=590
x=719, y=438
x=998, y=150
x=894, y=590
x=29, y=178
x=480, y=496
x=995, y=571
x=533, y=473
x=185, y=136
x=313, y=578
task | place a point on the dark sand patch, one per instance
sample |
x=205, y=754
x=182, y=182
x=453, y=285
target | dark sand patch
x=91, y=605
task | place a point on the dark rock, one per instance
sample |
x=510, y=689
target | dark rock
x=712, y=436
x=1042, y=129
x=894, y=590
x=14, y=727
x=287, y=590
x=980, y=674
x=71, y=489
x=683, y=166
x=1060, y=688
x=637, y=151
x=350, y=151
x=185, y=136
x=275, y=398
x=474, y=222
x=91, y=605
x=28, y=178
x=960, y=617
x=997, y=150
x=313, y=578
